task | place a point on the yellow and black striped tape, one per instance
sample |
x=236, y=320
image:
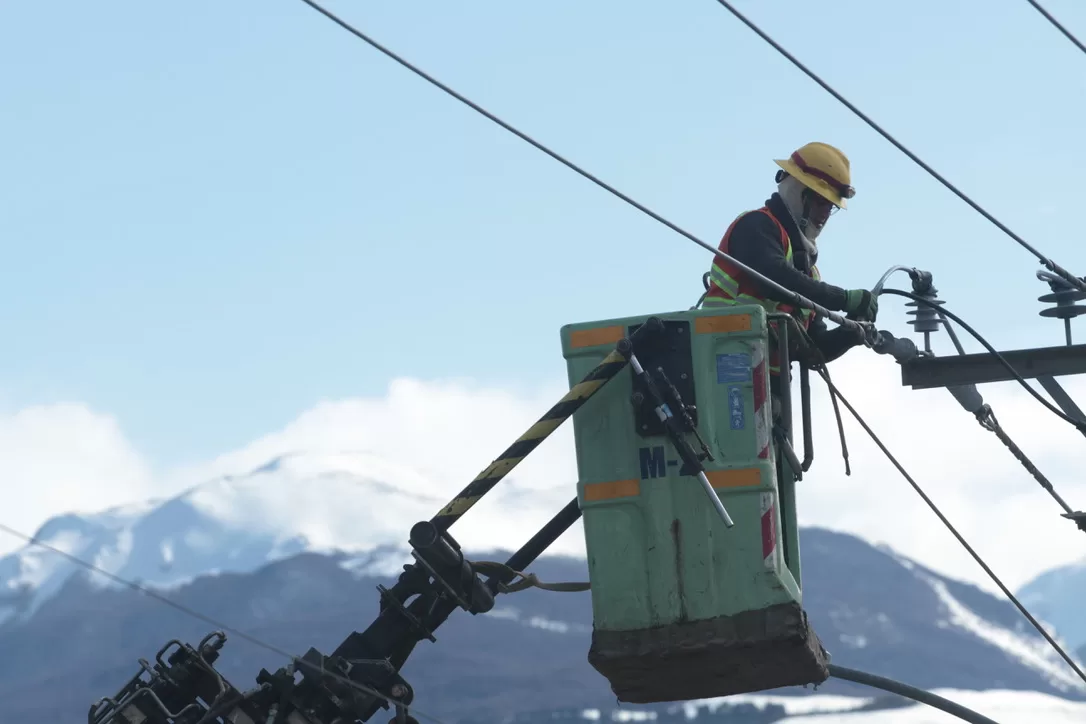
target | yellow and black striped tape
x=611, y=365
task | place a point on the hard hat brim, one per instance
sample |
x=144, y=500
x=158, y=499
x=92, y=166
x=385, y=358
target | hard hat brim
x=817, y=185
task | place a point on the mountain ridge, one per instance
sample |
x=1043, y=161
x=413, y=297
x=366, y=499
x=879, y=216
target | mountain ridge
x=899, y=620
x=1058, y=596
x=301, y=487
x=291, y=552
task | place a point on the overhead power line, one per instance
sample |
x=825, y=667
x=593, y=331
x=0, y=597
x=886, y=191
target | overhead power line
x=1048, y=263
x=911, y=692
x=1059, y=26
x=835, y=394
x=796, y=298
x=950, y=526
x=986, y=416
x=833, y=389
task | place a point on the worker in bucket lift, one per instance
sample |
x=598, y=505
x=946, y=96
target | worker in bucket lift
x=779, y=241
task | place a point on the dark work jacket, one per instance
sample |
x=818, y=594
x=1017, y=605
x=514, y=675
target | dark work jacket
x=755, y=241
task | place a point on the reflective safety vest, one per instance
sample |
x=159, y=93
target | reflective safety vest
x=730, y=285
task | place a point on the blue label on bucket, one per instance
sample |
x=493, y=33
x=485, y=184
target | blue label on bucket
x=731, y=368
x=736, y=409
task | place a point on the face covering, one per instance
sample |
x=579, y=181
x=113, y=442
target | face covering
x=791, y=192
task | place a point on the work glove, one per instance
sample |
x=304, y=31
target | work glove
x=861, y=304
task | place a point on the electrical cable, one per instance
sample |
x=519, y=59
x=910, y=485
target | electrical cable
x=819, y=365
x=877, y=289
x=803, y=301
x=1048, y=263
x=1075, y=281
x=1058, y=25
x=909, y=692
x=797, y=299
x=1079, y=424
x=952, y=529
x=835, y=393
x=986, y=417
x=840, y=427
x=297, y=661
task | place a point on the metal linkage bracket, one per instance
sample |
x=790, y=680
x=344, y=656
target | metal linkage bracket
x=674, y=430
x=355, y=688
x=441, y=556
x=183, y=687
x=668, y=349
x=360, y=677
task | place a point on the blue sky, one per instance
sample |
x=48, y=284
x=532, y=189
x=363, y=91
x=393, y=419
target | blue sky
x=215, y=215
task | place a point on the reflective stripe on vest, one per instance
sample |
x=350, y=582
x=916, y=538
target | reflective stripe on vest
x=729, y=285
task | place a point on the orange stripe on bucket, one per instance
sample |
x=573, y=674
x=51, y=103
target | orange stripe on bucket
x=722, y=323
x=741, y=478
x=595, y=337
x=612, y=489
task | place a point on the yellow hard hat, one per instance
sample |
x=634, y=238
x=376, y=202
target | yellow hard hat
x=823, y=169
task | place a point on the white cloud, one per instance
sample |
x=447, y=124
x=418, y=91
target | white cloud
x=60, y=458
x=435, y=437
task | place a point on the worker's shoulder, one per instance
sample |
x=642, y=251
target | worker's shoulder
x=755, y=223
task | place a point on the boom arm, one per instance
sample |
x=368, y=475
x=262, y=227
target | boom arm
x=362, y=674
x=360, y=677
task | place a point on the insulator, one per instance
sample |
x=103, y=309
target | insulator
x=925, y=318
x=1065, y=296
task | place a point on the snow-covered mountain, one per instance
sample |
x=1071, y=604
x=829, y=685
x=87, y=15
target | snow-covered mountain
x=233, y=524
x=347, y=502
x=295, y=547
x=1059, y=597
x=527, y=657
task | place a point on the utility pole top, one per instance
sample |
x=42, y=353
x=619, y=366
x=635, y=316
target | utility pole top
x=974, y=369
